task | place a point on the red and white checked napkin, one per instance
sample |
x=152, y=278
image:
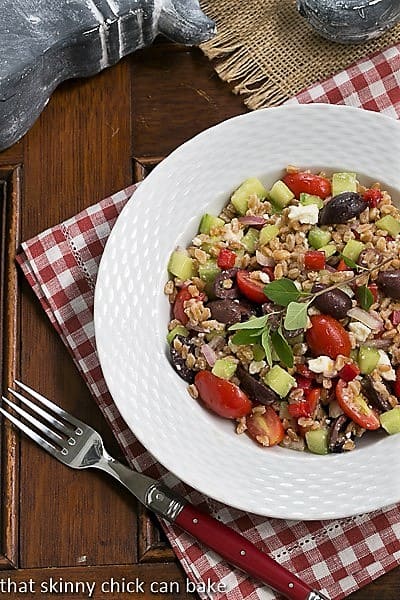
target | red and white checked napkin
x=335, y=557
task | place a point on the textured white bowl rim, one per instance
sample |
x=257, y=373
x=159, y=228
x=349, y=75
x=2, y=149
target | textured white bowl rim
x=131, y=313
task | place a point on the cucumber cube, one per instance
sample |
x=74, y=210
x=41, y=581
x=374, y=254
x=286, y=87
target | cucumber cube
x=181, y=265
x=389, y=224
x=317, y=441
x=306, y=199
x=209, y=271
x=250, y=240
x=280, y=194
x=353, y=249
x=224, y=368
x=390, y=420
x=209, y=222
x=178, y=330
x=268, y=233
x=344, y=182
x=241, y=196
x=329, y=250
x=279, y=380
x=319, y=237
x=367, y=359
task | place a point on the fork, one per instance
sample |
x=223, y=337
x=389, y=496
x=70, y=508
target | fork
x=79, y=446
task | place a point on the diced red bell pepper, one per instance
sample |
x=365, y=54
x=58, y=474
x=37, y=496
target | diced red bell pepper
x=349, y=372
x=314, y=260
x=342, y=266
x=226, y=258
x=395, y=317
x=312, y=397
x=372, y=197
x=306, y=407
x=299, y=409
x=396, y=387
x=373, y=288
x=305, y=371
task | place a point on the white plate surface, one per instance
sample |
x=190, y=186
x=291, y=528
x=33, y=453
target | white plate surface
x=131, y=313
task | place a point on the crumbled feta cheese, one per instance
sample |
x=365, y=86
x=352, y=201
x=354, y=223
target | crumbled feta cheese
x=231, y=236
x=256, y=366
x=264, y=277
x=384, y=360
x=322, y=364
x=196, y=241
x=304, y=214
x=313, y=310
x=361, y=331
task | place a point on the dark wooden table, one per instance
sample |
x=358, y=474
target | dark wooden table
x=94, y=137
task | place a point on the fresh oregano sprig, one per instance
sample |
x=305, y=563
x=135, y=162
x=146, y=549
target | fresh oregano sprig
x=284, y=292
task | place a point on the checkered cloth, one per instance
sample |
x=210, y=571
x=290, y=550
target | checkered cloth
x=336, y=557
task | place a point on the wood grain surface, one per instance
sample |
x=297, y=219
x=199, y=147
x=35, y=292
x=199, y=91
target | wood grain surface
x=95, y=137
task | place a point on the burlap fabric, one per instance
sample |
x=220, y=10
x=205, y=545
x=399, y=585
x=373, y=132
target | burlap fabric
x=269, y=52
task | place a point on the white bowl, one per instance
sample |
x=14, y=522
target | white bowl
x=131, y=313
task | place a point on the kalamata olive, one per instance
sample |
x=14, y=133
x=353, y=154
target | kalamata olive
x=257, y=391
x=225, y=311
x=180, y=367
x=376, y=393
x=336, y=434
x=342, y=208
x=335, y=302
x=219, y=288
x=389, y=283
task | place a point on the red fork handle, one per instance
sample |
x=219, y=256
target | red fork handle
x=242, y=554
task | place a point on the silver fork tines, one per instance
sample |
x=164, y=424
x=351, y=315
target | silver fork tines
x=68, y=439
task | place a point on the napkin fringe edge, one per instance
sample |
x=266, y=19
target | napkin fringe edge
x=236, y=64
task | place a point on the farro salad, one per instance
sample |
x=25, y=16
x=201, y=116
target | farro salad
x=286, y=311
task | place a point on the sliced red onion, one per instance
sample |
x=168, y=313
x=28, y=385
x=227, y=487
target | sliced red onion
x=265, y=261
x=253, y=220
x=370, y=320
x=209, y=354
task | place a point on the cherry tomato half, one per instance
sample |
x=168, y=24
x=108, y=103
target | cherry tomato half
x=265, y=428
x=327, y=337
x=179, y=310
x=356, y=407
x=221, y=396
x=179, y=313
x=308, y=183
x=252, y=289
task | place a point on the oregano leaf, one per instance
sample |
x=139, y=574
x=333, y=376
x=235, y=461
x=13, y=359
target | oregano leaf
x=282, y=291
x=296, y=316
x=267, y=345
x=282, y=348
x=246, y=336
x=256, y=323
x=365, y=297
